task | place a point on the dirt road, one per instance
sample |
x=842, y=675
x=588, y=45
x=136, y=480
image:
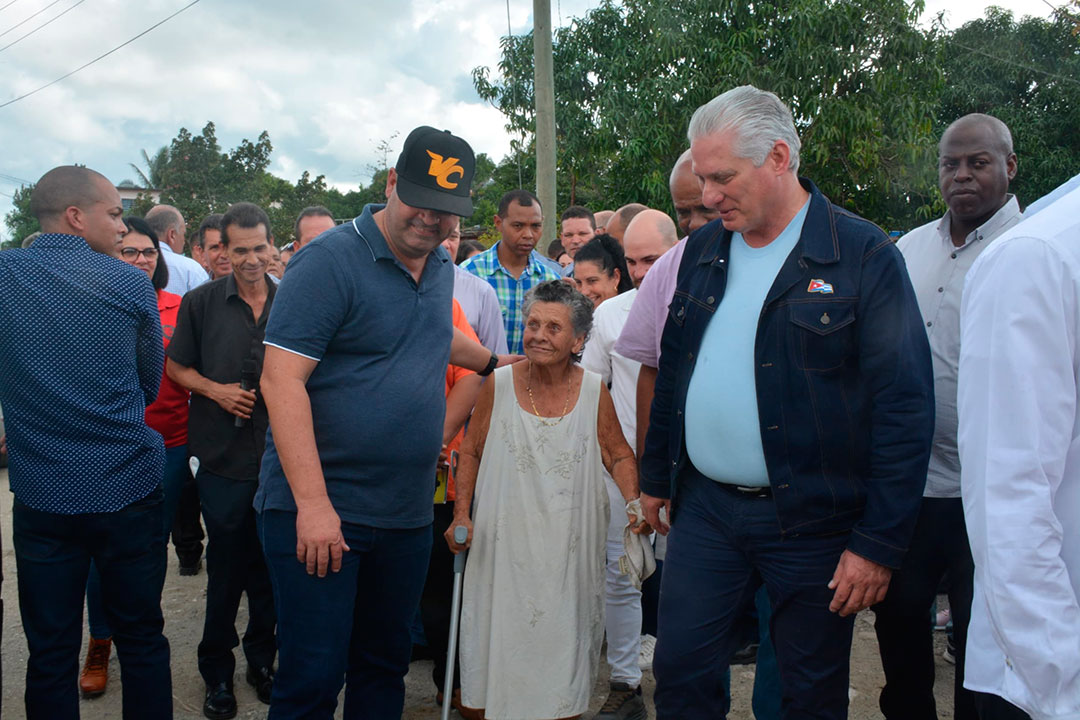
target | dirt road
x=183, y=601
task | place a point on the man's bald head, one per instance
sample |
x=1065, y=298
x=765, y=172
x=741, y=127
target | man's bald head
x=63, y=187
x=616, y=226
x=686, y=196
x=78, y=201
x=996, y=129
x=602, y=218
x=648, y=236
x=168, y=223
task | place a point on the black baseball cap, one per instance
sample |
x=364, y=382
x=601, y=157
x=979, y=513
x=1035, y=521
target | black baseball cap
x=435, y=171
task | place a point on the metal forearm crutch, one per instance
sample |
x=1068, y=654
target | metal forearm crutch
x=461, y=534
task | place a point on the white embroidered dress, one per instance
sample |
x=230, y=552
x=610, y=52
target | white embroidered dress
x=532, y=618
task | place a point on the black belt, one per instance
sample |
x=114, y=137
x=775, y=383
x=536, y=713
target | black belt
x=750, y=492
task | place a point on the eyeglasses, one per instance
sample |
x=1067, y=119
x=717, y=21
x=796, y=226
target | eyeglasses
x=130, y=253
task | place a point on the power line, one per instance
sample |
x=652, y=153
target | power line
x=4, y=7
x=47, y=22
x=23, y=22
x=99, y=57
x=13, y=179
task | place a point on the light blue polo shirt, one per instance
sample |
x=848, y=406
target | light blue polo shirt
x=378, y=395
x=723, y=437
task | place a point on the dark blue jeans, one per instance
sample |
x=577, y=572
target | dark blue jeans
x=175, y=470
x=349, y=627
x=722, y=547
x=52, y=556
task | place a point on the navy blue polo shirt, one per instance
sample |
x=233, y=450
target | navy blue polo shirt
x=382, y=343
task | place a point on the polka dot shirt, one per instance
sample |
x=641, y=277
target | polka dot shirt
x=80, y=359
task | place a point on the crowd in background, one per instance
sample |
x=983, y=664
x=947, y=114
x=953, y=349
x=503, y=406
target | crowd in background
x=705, y=440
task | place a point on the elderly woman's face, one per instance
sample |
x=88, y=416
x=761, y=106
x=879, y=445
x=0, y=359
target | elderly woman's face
x=549, y=334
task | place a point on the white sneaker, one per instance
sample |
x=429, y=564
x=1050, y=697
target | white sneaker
x=648, y=647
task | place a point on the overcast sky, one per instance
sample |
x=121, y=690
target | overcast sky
x=328, y=79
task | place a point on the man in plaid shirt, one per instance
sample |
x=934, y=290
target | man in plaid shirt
x=512, y=266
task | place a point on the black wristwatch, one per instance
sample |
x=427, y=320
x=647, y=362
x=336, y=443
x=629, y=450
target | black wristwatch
x=490, y=366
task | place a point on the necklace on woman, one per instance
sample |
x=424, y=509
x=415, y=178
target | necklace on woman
x=542, y=419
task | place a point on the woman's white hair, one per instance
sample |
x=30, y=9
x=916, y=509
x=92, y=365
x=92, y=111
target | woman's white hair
x=759, y=120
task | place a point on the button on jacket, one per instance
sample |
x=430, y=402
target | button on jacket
x=843, y=374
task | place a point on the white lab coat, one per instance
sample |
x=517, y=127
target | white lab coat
x=1019, y=440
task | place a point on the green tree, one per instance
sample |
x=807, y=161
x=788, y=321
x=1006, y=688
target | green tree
x=861, y=78
x=155, y=168
x=192, y=180
x=19, y=221
x=1026, y=73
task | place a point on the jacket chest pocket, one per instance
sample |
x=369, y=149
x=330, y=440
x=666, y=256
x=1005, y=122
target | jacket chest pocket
x=822, y=334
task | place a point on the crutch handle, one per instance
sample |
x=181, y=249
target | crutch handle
x=461, y=534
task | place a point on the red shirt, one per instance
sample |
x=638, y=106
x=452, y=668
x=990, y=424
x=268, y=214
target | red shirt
x=453, y=374
x=169, y=413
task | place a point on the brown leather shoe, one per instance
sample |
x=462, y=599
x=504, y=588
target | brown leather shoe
x=95, y=673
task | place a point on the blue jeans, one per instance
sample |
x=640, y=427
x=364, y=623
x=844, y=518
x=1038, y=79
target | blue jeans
x=723, y=546
x=175, y=469
x=52, y=556
x=349, y=627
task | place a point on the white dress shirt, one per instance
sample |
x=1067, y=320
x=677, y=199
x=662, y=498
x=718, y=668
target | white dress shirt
x=937, y=269
x=617, y=372
x=184, y=273
x=1019, y=397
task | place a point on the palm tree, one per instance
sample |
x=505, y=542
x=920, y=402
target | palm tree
x=155, y=166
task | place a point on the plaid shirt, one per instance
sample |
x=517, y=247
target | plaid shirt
x=510, y=290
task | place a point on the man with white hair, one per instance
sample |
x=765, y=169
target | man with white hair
x=184, y=272
x=797, y=455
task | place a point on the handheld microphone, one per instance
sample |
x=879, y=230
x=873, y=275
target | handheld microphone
x=249, y=378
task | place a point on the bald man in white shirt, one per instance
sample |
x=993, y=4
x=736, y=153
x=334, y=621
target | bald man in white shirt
x=975, y=165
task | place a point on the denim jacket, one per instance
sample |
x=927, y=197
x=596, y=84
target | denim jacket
x=844, y=381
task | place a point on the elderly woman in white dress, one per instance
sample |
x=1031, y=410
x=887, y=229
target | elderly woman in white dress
x=532, y=618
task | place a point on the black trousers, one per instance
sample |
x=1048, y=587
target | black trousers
x=187, y=532
x=939, y=546
x=234, y=565
x=437, y=597
x=991, y=707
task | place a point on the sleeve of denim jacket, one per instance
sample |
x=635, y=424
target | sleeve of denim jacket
x=897, y=372
x=655, y=474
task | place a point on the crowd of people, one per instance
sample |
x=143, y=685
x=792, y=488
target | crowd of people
x=692, y=439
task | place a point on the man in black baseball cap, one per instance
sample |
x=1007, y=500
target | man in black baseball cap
x=435, y=172
x=362, y=316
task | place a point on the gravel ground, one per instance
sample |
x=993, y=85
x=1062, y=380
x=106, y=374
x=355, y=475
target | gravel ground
x=183, y=601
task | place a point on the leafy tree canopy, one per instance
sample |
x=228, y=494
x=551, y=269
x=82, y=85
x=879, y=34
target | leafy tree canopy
x=19, y=221
x=861, y=78
x=1026, y=73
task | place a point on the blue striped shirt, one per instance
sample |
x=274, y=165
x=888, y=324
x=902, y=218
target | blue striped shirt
x=81, y=357
x=510, y=290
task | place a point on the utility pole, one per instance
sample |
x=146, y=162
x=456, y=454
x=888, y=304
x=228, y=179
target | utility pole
x=544, y=84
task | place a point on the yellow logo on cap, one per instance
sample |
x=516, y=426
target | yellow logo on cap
x=442, y=169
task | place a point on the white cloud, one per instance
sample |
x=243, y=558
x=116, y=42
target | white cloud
x=327, y=80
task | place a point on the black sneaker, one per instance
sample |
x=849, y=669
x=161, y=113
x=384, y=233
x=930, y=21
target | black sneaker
x=746, y=655
x=192, y=569
x=623, y=703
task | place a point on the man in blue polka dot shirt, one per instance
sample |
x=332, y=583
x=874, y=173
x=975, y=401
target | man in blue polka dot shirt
x=80, y=359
